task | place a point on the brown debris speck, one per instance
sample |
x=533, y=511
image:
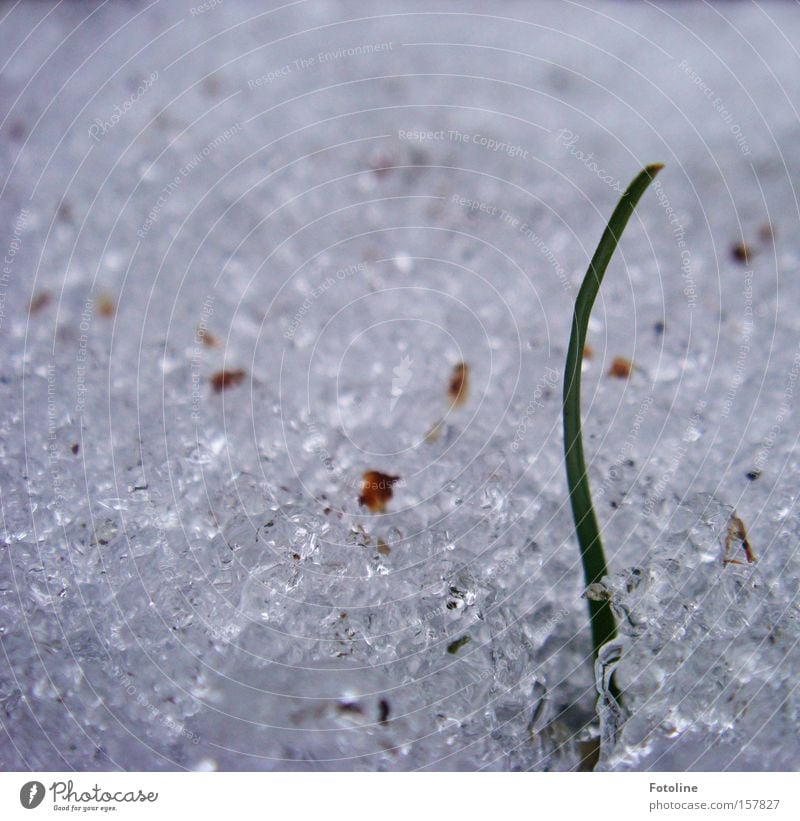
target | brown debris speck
x=105, y=306
x=40, y=301
x=766, y=233
x=381, y=165
x=376, y=490
x=17, y=131
x=65, y=212
x=383, y=548
x=350, y=707
x=737, y=532
x=588, y=353
x=212, y=85
x=434, y=433
x=207, y=338
x=458, y=390
x=224, y=379
x=620, y=367
x=75, y=448
x=742, y=252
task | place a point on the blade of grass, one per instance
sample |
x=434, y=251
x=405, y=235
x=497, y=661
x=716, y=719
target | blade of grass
x=591, y=546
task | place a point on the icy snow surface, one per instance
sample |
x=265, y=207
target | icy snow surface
x=338, y=203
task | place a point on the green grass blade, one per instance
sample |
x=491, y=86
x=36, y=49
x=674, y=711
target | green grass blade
x=594, y=561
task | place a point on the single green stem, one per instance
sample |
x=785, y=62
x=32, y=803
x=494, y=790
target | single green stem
x=604, y=627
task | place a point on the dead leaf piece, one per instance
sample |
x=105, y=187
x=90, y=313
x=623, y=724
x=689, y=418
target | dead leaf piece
x=458, y=391
x=766, y=233
x=376, y=490
x=434, y=433
x=65, y=212
x=742, y=252
x=224, y=379
x=207, y=338
x=105, y=306
x=620, y=367
x=737, y=533
x=381, y=165
x=41, y=300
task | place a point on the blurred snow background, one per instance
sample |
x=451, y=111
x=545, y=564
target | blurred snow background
x=337, y=203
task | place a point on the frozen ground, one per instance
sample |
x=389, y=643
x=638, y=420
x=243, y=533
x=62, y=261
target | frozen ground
x=351, y=199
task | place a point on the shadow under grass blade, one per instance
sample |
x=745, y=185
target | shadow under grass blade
x=594, y=562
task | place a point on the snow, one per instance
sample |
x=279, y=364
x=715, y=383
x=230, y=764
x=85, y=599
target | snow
x=351, y=201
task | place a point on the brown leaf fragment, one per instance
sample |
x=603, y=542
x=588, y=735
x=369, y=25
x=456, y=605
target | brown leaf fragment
x=224, y=379
x=105, y=306
x=458, y=390
x=766, y=233
x=39, y=301
x=65, y=212
x=376, y=490
x=207, y=338
x=620, y=367
x=737, y=532
x=434, y=433
x=17, y=131
x=350, y=707
x=742, y=252
x=381, y=164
